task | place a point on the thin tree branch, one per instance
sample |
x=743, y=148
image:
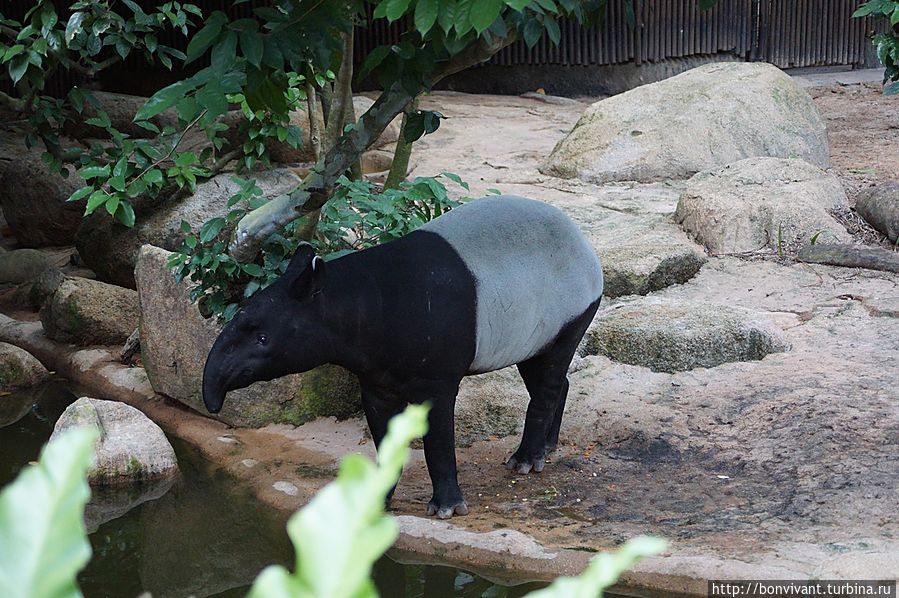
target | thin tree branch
x=12, y=103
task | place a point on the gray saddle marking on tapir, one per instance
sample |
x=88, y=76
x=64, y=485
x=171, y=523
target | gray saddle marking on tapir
x=534, y=273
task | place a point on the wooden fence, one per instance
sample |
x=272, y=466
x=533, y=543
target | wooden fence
x=786, y=33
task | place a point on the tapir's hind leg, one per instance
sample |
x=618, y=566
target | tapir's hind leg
x=545, y=376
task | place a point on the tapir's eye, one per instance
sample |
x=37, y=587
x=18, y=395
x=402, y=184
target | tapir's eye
x=262, y=339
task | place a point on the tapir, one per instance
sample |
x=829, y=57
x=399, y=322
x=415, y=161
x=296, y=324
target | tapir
x=496, y=282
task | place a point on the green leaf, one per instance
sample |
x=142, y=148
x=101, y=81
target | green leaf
x=97, y=199
x=462, y=16
x=185, y=159
x=252, y=46
x=17, y=67
x=74, y=26
x=206, y=36
x=125, y=214
x=164, y=99
x=396, y=9
x=603, y=570
x=80, y=193
x=211, y=229
x=43, y=543
x=707, y=4
x=153, y=176
x=224, y=53
x=892, y=89
x=518, y=5
x=425, y=15
x=253, y=269
x=348, y=517
x=92, y=172
x=552, y=29
x=112, y=205
x=483, y=13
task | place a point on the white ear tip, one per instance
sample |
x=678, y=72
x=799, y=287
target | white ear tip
x=316, y=262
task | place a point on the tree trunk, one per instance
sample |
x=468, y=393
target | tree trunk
x=400, y=165
x=851, y=256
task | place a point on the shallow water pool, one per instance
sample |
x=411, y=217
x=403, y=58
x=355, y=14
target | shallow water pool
x=201, y=534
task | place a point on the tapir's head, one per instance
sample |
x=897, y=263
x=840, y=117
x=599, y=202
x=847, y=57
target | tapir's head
x=278, y=332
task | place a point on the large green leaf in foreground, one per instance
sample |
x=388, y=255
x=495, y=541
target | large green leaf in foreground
x=42, y=538
x=340, y=534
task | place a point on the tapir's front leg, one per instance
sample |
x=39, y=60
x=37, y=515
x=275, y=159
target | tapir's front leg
x=379, y=407
x=440, y=448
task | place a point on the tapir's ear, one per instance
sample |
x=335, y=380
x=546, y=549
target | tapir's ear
x=306, y=273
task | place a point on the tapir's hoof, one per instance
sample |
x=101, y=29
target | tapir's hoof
x=525, y=464
x=460, y=508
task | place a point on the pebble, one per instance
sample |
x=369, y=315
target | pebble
x=227, y=439
x=249, y=462
x=286, y=487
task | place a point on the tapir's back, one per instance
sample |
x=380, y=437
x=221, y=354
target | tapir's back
x=534, y=273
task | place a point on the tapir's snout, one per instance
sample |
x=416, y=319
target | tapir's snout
x=215, y=380
x=213, y=392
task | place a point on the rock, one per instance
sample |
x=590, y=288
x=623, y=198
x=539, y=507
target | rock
x=879, y=206
x=34, y=200
x=43, y=287
x=175, y=340
x=131, y=448
x=111, y=502
x=639, y=245
x=22, y=265
x=89, y=312
x=642, y=269
x=110, y=249
x=709, y=116
x=19, y=369
x=121, y=109
x=283, y=152
x=14, y=407
x=674, y=337
x=762, y=203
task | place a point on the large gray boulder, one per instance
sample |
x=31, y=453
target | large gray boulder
x=709, y=116
x=34, y=200
x=131, y=448
x=762, y=203
x=674, y=337
x=879, y=206
x=175, y=340
x=90, y=312
x=22, y=265
x=19, y=369
x=110, y=249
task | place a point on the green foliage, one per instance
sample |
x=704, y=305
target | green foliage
x=887, y=44
x=358, y=216
x=343, y=530
x=361, y=216
x=42, y=538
